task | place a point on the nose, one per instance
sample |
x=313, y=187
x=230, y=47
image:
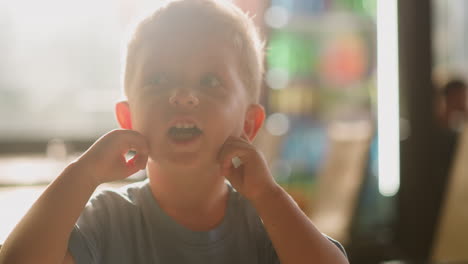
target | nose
x=183, y=98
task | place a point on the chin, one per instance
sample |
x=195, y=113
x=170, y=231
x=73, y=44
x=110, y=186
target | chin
x=185, y=161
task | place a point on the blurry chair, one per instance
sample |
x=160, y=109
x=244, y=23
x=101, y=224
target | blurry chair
x=341, y=177
x=451, y=238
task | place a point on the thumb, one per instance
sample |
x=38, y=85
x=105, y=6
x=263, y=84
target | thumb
x=233, y=171
x=244, y=136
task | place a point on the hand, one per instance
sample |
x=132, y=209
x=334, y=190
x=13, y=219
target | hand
x=105, y=160
x=252, y=178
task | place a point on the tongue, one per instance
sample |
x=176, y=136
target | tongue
x=183, y=134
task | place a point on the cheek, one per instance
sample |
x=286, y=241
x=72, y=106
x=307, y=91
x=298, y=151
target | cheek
x=233, y=123
x=146, y=120
x=138, y=120
x=237, y=118
x=238, y=131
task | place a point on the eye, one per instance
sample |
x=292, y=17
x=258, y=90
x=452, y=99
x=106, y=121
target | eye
x=210, y=80
x=159, y=80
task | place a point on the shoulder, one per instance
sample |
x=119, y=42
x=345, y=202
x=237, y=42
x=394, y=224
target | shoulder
x=337, y=244
x=242, y=211
x=251, y=231
x=111, y=209
x=127, y=194
x=110, y=201
x=108, y=211
x=240, y=203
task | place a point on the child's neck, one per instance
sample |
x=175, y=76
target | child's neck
x=195, y=199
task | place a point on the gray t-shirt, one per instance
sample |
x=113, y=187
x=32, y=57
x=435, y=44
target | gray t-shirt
x=128, y=226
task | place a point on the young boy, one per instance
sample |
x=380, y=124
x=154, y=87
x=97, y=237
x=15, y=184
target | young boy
x=192, y=83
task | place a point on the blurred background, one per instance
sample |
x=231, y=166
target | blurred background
x=362, y=129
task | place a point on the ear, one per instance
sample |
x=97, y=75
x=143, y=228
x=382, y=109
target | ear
x=253, y=120
x=122, y=112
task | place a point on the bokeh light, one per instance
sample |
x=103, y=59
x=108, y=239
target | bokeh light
x=277, y=124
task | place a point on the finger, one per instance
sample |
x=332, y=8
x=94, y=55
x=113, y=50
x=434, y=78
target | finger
x=244, y=136
x=131, y=168
x=138, y=162
x=134, y=150
x=234, y=146
x=231, y=166
x=141, y=160
x=234, y=176
x=239, y=141
x=238, y=144
x=134, y=142
x=232, y=157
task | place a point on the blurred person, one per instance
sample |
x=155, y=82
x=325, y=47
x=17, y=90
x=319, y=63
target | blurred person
x=453, y=105
x=192, y=82
x=451, y=117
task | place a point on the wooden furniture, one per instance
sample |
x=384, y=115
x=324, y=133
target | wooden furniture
x=451, y=238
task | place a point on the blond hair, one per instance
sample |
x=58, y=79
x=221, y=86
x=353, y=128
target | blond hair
x=212, y=17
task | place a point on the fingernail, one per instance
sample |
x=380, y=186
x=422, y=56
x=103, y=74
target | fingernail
x=236, y=162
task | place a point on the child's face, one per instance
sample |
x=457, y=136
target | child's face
x=187, y=98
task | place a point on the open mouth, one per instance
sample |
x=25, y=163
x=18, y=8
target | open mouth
x=184, y=132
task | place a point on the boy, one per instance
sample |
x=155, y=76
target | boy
x=192, y=82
